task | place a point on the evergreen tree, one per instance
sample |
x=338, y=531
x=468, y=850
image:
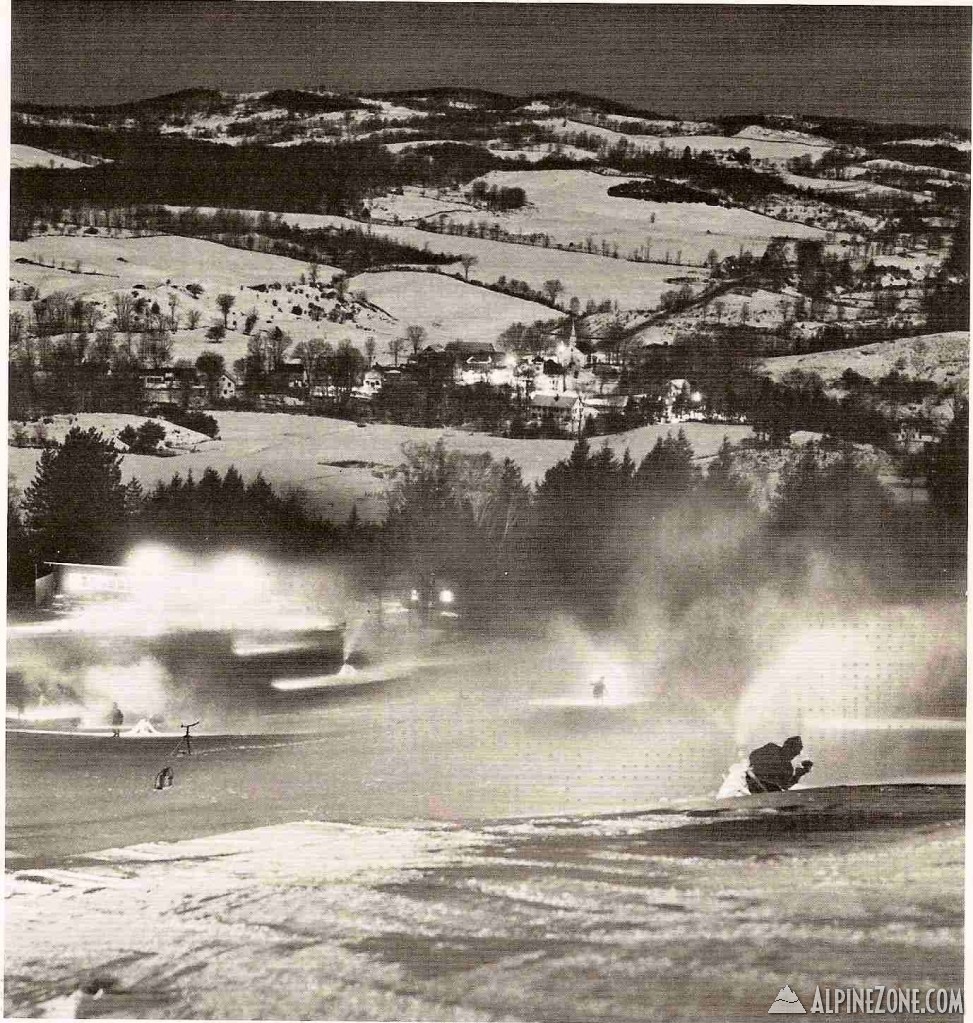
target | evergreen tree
x=668, y=470
x=722, y=488
x=948, y=473
x=75, y=507
x=20, y=559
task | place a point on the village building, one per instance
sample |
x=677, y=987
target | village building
x=171, y=387
x=289, y=375
x=226, y=387
x=598, y=406
x=910, y=439
x=562, y=411
x=372, y=382
x=493, y=368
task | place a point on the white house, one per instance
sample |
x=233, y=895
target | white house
x=226, y=387
x=486, y=367
x=563, y=410
x=372, y=383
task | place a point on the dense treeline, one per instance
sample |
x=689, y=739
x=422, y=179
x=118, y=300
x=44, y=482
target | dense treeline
x=78, y=509
x=661, y=531
x=228, y=512
x=497, y=198
x=147, y=169
x=662, y=190
x=947, y=157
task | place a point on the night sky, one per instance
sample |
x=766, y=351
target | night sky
x=883, y=63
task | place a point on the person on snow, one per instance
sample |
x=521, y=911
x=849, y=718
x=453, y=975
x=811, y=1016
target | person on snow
x=770, y=768
x=598, y=689
x=117, y=720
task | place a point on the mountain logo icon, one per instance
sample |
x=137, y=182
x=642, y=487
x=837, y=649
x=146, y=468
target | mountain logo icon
x=787, y=1001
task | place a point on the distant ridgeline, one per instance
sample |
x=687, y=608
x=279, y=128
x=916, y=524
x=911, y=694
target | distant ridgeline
x=320, y=152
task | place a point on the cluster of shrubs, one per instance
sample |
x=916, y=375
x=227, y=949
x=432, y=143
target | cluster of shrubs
x=497, y=198
x=200, y=422
x=894, y=387
x=144, y=439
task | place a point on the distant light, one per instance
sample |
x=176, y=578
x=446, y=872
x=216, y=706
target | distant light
x=446, y=597
x=696, y=397
x=414, y=595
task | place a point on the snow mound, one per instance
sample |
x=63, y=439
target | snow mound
x=143, y=727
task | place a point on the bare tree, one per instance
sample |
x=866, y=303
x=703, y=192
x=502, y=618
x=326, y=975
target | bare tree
x=225, y=302
x=192, y=318
x=173, y=305
x=467, y=261
x=124, y=307
x=395, y=347
x=104, y=346
x=156, y=348
x=370, y=350
x=276, y=344
x=310, y=353
x=416, y=335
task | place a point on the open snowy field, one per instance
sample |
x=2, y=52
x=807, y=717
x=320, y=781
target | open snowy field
x=159, y=268
x=759, y=133
x=415, y=203
x=771, y=150
x=574, y=205
x=942, y=358
x=297, y=452
x=824, y=186
x=109, y=264
x=449, y=309
x=632, y=285
x=29, y=156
